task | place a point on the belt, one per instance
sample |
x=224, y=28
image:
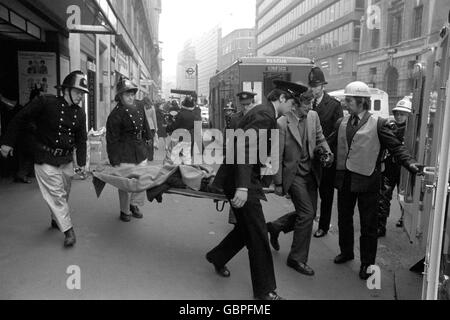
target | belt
x=57, y=152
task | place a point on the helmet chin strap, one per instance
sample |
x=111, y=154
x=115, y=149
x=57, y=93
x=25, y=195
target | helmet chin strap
x=70, y=95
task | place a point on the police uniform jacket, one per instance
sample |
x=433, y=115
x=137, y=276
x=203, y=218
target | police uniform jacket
x=232, y=176
x=329, y=111
x=127, y=133
x=60, y=128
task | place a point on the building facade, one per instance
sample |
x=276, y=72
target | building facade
x=207, y=54
x=327, y=31
x=238, y=43
x=105, y=39
x=392, y=44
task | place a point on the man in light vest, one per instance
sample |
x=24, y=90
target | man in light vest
x=391, y=174
x=358, y=143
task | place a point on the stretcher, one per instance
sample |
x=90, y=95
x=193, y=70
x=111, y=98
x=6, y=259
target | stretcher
x=219, y=199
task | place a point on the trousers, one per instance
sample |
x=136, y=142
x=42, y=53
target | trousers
x=368, y=212
x=55, y=184
x=135, y=199
x=303, y=193
x=251, y=232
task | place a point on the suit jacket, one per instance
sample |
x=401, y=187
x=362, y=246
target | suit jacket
x=291, y=146
x=329, y=111
x=388, y=140
x=232, y=176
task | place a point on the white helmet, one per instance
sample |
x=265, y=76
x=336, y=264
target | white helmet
x=404, y=105
x=357, y=89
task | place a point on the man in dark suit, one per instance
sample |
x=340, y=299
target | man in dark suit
x=242, y=186
x=299, y=176
x=359, y=140
x=329, y=111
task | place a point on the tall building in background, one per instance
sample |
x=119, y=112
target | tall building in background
x=391, y=46
x=207, y=55
x=238, y=43
x=327, y=31
x=186, y=68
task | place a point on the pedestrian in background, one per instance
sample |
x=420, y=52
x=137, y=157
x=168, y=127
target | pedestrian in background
x=153, y=125
x=60, y=129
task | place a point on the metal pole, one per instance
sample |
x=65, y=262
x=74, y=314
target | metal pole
x=440, y=204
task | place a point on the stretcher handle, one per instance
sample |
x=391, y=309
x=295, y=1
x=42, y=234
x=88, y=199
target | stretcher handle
x=217, y=202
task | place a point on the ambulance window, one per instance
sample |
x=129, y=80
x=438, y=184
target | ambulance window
x=377, y=105
x=258, y=89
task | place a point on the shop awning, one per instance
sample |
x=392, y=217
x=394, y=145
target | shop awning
x=13, y=25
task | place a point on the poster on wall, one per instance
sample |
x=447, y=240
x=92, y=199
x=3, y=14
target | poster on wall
x=37, y=70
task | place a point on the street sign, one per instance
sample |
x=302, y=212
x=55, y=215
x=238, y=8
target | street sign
x=190, y=71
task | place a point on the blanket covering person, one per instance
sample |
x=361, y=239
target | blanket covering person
x=155, y=180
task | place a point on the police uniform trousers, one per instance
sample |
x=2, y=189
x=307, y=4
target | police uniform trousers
x=55, y=184
x=135, y=199
x=250, y=231
x=303, y=193
x=390, y=180
x=326, y=191
x=368, y=212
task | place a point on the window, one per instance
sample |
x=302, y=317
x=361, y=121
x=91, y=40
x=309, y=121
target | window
x=377, y=105
x=417, y=27
x=395, y=29
x=375, y=37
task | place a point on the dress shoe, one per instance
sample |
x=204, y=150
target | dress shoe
x=220, y=270
x=320, y=233
x=54, y=225
x=381, y=232
x=271, y=296
x=22, y=180
x=342, y=258
x=135, y=212
x=70, y=238
x=125, y=217
x=363, y=272
x=274, y=234
x=302, y=268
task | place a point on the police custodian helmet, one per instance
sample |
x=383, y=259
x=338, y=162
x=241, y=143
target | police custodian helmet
x=76, y=80
x=124, y=85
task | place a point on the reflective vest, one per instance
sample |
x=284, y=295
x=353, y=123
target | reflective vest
x=362, y=156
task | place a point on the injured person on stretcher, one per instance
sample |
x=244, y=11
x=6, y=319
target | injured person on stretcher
x=188, y=180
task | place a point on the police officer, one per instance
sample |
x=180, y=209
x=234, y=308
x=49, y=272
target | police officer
x=230, y=110
x=391, y=175
x=329, y=111
x=358, y=141
x=60, y=129
x=127, y=136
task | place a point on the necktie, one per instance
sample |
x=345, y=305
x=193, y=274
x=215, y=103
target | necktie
x=355, y=121
x=315, y=104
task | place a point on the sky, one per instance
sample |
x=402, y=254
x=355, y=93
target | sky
x=182, y=20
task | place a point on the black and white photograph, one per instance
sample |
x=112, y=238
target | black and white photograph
x=228, y=157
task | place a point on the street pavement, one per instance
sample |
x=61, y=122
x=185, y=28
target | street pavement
x=162, y=257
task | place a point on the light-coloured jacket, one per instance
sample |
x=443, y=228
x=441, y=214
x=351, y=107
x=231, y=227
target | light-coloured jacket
x=290, y=145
